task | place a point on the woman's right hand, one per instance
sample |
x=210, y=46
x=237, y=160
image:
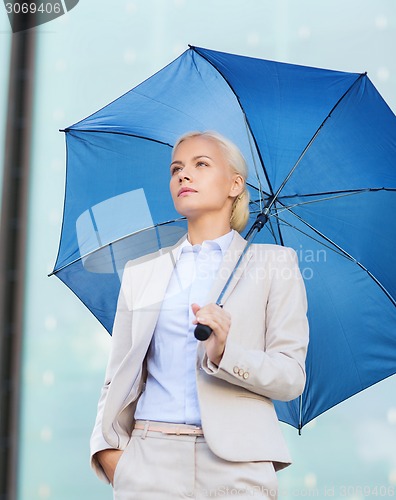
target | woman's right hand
x=109, y=459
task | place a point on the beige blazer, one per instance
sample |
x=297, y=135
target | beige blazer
x=264, y=357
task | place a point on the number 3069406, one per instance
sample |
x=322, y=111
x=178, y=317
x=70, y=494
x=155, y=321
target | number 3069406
x=33, y=8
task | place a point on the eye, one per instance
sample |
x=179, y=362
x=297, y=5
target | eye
x=175, y=169
x=202, y=164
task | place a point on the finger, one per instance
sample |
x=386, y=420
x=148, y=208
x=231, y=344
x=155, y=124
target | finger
x=213, y=316
x=213, y=309
x=205, y=315
x=219, y=325
x=195, y=308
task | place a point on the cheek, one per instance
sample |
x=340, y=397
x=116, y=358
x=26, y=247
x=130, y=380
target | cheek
x=174, y=189
x=173, y=186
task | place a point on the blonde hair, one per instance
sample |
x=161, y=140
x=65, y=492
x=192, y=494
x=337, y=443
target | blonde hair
x=240, y=208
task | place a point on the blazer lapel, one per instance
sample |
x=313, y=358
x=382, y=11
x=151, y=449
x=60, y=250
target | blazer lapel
x=227, y=267
x=150, y=279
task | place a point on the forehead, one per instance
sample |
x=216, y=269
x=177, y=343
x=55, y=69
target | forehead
x=199, y=145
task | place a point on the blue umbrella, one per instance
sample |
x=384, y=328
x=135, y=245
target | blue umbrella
x=321, y=148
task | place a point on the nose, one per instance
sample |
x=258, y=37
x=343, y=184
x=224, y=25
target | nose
x=183, y=175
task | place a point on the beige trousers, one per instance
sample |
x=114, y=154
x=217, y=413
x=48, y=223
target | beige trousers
x=157, y=466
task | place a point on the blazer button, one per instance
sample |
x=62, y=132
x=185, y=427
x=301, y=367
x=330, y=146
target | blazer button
x=246, y=375
x=241, y=372
x=236, y=369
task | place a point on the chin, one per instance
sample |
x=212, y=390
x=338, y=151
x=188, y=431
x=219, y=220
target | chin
x=185, y=206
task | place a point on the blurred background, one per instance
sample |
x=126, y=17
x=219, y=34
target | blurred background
x=53, y=352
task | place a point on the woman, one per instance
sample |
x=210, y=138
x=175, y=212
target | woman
x=200, y=414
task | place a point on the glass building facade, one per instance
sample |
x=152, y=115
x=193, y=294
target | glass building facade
x=87, y=58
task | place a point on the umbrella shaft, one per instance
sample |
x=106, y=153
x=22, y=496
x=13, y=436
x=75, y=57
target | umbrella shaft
x=257, y=226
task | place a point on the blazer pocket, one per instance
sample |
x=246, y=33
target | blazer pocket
x=119, y=467
x=256, y=397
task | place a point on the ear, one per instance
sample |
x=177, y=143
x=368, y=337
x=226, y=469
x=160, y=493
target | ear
x=238, y=185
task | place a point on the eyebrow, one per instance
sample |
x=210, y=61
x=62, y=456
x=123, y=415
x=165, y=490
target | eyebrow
x=178, y=162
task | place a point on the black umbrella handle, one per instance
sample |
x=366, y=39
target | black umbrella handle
x=202, y=332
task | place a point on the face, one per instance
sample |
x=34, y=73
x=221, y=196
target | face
x=202, y=182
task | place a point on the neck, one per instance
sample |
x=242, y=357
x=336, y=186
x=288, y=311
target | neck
x=208, y=229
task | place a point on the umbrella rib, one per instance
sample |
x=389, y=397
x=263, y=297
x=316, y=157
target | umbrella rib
x=278, y=226
x=276, y=195
x=342, y=191
x=283, y=221
x=350, y=193
x=257, y=189
x=272, y=231
x=254, y=163
x=248, y=126
x=326, y=193
x=345, y=254
x=260, y=191
x=55, y=271
x=71, y=130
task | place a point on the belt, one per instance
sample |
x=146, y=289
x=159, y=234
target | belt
x=169, y=428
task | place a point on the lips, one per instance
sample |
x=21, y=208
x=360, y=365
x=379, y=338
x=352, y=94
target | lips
x=185, y=190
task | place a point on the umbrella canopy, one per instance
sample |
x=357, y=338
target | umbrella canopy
x=321, y=149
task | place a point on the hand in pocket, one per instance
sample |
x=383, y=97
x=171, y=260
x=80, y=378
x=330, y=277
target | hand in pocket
x=109, y=459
